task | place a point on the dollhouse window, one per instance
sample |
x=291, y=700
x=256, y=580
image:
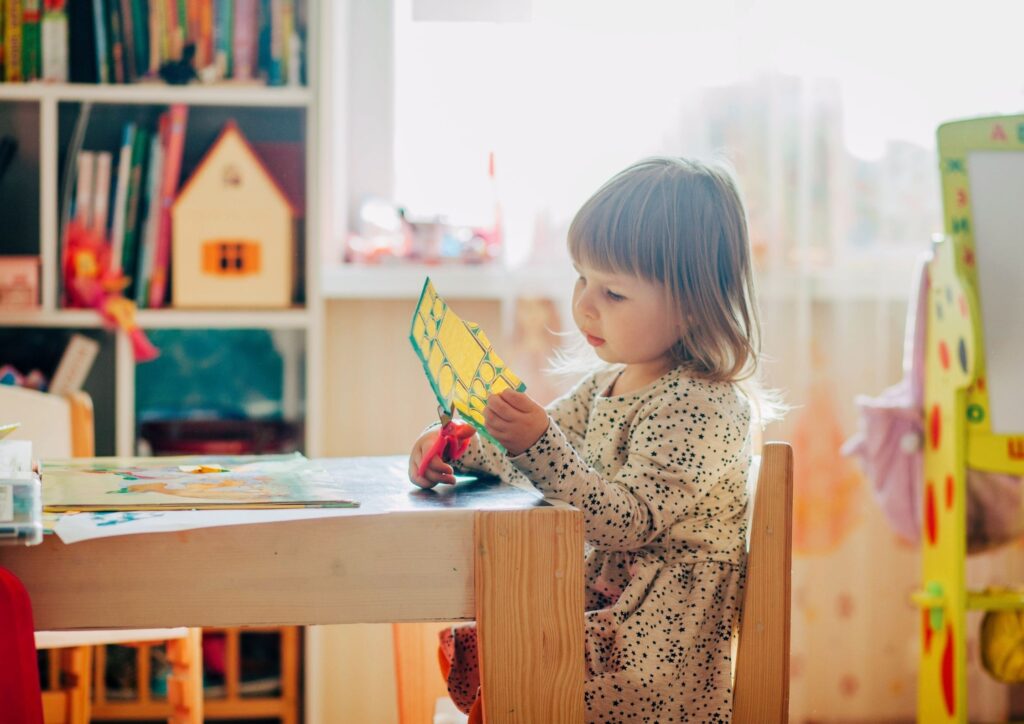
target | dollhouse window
x=231, y=258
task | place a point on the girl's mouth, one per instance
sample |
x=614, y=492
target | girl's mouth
x=594, y=341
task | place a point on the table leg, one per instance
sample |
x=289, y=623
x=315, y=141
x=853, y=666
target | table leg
x=185, y=685
x=529, y=604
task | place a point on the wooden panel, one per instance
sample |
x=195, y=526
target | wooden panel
x=417, y=673
x=418, y=571
x=530, y=629
x=762, y=665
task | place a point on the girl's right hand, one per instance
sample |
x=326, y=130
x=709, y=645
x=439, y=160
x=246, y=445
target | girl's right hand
x=438, y=471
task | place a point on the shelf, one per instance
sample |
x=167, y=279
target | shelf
x=164, y=319
x=405, y=281
x=976, y=600
x=224, y=94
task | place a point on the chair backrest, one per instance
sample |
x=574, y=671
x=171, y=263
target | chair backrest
x=761, y=686
x=59, y=426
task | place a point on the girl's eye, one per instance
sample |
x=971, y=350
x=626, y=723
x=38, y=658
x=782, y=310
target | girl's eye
x=581, y=280
x=615, y=297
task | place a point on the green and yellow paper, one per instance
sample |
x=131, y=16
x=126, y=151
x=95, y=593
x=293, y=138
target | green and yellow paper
x=461, y=365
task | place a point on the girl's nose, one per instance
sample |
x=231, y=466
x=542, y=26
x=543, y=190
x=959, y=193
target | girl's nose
x=584, y=304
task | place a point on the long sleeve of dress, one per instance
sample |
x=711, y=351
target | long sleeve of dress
x=676, y=448
x=569, y=413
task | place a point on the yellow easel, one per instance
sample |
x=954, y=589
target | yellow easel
x=958, y=430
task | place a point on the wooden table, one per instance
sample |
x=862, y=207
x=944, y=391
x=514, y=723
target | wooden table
x=481, y=550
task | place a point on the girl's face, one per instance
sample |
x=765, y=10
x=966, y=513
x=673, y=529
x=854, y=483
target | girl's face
x=626, y=319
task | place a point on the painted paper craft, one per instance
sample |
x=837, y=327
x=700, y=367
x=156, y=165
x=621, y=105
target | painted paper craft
x=188, y=483
x=462, y=367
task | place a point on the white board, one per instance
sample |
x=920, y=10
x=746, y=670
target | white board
x=997, y=199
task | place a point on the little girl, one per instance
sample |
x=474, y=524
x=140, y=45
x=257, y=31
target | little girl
x=654, y=448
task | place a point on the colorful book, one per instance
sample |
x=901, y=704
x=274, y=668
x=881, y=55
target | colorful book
x=140, y=35
x=101, y=44
x=173, y=151
x=245, y=35
x=151, y=222
x=127, y=39
x=55, y=41
x=223, y=24
x=115, y=40
x=85, y=185
x=31, y=40
x=13, y=17
x=101, y=193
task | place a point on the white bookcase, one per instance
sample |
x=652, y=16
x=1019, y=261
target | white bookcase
x=37, y=115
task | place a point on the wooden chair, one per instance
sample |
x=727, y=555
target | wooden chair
x=62, y=426
x=761, y=685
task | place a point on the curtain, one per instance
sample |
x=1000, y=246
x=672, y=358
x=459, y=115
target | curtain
x=827, y=114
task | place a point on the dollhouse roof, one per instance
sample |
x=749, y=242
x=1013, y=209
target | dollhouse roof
x=231, y=129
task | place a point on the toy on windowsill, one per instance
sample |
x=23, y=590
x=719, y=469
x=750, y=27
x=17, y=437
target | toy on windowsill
x=90, y=283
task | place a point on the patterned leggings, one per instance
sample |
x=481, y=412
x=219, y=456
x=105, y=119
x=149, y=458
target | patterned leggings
x=457, y=655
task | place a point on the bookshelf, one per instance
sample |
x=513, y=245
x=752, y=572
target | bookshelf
x=41, y=116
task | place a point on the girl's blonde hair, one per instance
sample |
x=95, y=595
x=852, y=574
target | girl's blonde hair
x=681, y=223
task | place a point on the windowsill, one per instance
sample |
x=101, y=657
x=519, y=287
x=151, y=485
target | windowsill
x=453, y=281
x=870, y=279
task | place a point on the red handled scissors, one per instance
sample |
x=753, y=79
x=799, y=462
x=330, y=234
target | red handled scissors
x=451, y=442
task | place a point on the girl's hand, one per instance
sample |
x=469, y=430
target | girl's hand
x=515, y=420
x=438, y=471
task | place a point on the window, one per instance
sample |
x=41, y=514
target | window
x=826, y=112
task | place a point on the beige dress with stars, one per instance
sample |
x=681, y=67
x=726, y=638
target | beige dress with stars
x=660, y=475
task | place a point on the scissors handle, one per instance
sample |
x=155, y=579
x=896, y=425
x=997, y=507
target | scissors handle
x=452, y=441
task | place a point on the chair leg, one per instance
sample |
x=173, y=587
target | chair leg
x=185, y=683
x=76, y=669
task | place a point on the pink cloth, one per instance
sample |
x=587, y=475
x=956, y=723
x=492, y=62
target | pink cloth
x=889, y=448
x=888, y=444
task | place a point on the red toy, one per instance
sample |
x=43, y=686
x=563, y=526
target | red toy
x=90, y=282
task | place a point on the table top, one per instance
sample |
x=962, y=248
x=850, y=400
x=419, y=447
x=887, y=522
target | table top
x=381, y=485
x=404, y=554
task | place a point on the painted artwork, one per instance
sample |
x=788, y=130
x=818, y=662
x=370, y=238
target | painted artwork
x=188, y=483
x=460, y=363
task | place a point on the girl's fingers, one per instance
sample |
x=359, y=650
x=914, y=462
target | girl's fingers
x=440, y=467
x=517, y=400
x=499, y=409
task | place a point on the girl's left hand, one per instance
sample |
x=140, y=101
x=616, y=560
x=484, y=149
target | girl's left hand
x=515, y=420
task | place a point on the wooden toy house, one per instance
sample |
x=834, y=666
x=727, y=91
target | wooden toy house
x=233, y=232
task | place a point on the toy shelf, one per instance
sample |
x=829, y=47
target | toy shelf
x=296, y=318
x=976, y=600
x=284, y=122
x=221, y=94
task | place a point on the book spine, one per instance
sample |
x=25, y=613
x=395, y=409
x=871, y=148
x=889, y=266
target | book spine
x=101, y=193
x=124, y=170
x=31, y=40
x=147, y=241
x=55, y=41
x=116, y=34
x=246, y=19
x=102, y=49
x=129, y=254
x=223, y=24
x=12, y=41
x=168, y=189
x=128, y=40
x=140, y=25
x=277, y=60
x=85, y=186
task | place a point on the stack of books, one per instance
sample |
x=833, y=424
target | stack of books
x=125, y=41
x=129, y=204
